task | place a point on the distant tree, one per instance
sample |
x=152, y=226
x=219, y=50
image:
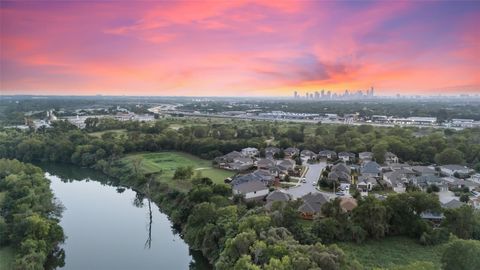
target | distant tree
x=379, y=151
x=371, y=215
x=464, y=222
x=462, y=255
x=449, y=156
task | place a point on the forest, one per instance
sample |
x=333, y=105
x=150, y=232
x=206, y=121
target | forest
x=29, y=217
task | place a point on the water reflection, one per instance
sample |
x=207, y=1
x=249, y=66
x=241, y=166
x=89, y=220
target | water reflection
x=100, y=227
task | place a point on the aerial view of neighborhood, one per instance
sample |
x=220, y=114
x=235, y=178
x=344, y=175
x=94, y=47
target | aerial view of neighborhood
x=239, y=135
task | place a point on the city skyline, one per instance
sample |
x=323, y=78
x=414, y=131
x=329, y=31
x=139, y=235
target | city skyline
x=239, y=48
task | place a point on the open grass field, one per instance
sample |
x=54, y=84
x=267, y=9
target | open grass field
x=393, y=251
x=168, y=162
x=6, y=258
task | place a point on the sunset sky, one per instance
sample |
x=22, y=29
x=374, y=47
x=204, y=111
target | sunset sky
x=238, y=48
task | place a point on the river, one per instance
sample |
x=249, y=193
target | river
x=110, y=227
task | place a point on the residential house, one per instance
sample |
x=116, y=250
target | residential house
x=327, y=154
x=250, y=152
x=452, y=169
x=475, y=202
x=251, y=190
x=259, y=175
x=286, y=166
x=365, y=156
x=396, y=166
x=277, y=196
x=265, y=164
x=340, y=172
x=312, y=205
x=307, y=154
x=291, y=152
x=365, y=183
x=371, y=169
x=434, y=218
x=342, y=167
x=453, y=204
x=347, y=204
x=424, y=181
x=346, y=156
x=239, y=164
x=461, y=183
x=390, y=158
x=424, y=170
x=270, y=152
x=398, y=179
x=228, y=158
x=234, y=161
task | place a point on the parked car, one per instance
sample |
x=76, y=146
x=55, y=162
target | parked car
x=340, y=193
x=314, y=183
x=303, y=180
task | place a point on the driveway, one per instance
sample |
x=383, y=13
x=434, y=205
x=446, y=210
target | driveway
x=312, y=175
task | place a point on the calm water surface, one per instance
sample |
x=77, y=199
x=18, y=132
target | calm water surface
x=110, y=227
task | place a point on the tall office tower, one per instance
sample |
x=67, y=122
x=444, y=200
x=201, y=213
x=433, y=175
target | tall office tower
x=317, y=95
x=329, y=95
x=346, y=94
x=295, y=94
x=307, y=95
x=311, y=96
x=371, y=92
x=323, y=94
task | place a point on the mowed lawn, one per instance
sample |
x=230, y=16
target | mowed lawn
x=6, y=258
x=168, y=162
x=393, y=251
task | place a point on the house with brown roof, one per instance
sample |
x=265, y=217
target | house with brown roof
x=277, y=196
x=312, y=205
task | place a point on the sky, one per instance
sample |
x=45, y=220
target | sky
x=239, y=48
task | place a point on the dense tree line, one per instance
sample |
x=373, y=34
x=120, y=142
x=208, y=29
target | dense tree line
x=29, y=217
x=399, y=214
x=65, y=143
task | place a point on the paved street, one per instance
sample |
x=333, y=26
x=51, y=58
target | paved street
x=312, y=175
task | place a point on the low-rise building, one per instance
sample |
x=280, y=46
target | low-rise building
x=366, y=184
x=251, y=190
x=265, y=164
x=371, y=169
x=277, y=196
x=307, y=154
x=424, y=170
x=390, y=158
x=270, y=152
x=346, y=156
x=312, y=205
x=250, y=151
x=327, y=154
x=452, y=169
x=365, y=156
x=291, y=152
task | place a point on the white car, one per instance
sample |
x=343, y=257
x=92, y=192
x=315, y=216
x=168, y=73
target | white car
x=314, y=183
x=303, y=180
